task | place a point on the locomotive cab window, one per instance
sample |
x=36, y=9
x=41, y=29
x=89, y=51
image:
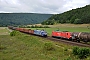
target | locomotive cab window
x=67, y=33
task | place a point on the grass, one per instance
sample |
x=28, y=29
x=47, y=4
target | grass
x=4, y=31
x=28, y=47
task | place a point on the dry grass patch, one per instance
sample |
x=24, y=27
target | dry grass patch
x=70, y=25
x=4, y=31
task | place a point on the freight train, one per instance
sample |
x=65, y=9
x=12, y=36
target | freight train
x=73, y=36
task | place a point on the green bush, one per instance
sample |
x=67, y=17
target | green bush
x=49, y=46
x=13, y=33
x=75, y=50
x=81, y=52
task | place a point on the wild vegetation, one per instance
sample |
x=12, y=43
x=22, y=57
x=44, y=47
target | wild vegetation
x=34, y=26
x=81, y=52
x=13, y=33
x=74, y=16
x=22, y=18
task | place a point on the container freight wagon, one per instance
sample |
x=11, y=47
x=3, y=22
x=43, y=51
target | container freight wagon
x=10, y=27
x=26, y=30
x=21, y=29
x=31, y=31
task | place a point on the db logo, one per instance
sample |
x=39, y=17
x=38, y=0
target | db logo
x=58, y=33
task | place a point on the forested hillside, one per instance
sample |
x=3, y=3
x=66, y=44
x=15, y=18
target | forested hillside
x=75, y=16
x=22, y=18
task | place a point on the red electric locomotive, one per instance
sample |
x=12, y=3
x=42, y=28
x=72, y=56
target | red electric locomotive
x=62, y=34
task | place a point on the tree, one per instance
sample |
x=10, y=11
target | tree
x=78, y=21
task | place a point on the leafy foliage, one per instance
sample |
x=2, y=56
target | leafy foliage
x=13, y=33
x=22, y=18
x=76, y=16
x=81, y=52
x=75, y=50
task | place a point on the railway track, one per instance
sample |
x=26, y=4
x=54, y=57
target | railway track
x=68, y=42
x=63, y=41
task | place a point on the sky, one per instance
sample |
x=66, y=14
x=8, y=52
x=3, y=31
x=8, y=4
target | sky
x=40, y=6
